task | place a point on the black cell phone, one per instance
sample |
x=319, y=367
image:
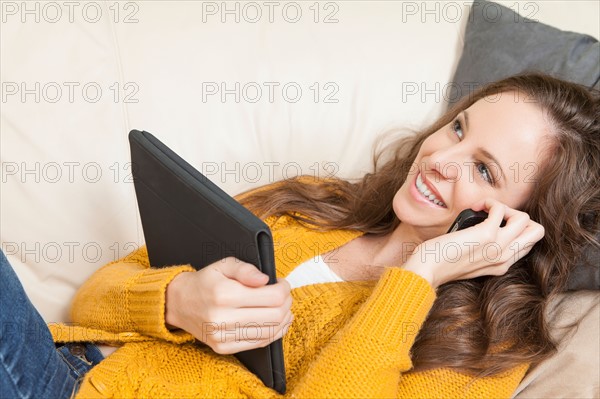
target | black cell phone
x=468, y=218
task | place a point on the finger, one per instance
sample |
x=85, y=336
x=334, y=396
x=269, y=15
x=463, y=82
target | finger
x=273, y=332
x=260, y=315
x=279, y=331
x=246, y=340
x=496, y=211
x=517, y=249
x=251, y=332
x=229, y=318
x=229, y=293
x=523, y=244
x=520, y=230
x=485, y=204
x=245, y=273
x=516, y=223
x=273, y=295
x=285, y=327
x=283, y=281
x=479, y=205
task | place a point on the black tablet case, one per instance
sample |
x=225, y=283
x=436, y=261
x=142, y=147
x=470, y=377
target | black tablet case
x=187, y=219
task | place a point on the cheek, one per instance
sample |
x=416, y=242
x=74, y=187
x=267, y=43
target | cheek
x=438, y=141
x=431, y=144
x=467, y=192
x=517, y=197
x=399, y=196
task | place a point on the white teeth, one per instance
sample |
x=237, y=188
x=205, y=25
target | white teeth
x=427, y=193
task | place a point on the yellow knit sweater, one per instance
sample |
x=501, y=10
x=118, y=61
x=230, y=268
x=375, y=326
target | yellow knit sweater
x=347, y=340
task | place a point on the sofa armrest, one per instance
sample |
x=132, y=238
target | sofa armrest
x=573, y=372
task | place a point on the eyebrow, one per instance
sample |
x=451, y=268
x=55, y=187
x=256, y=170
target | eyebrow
x=485, y=152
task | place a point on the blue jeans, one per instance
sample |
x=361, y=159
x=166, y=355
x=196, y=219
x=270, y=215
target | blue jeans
x=31, y=364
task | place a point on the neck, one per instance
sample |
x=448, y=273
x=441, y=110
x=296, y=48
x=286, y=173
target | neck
x=366, y=257
x=392, y=249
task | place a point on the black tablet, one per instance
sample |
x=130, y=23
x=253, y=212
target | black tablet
x=187, y=219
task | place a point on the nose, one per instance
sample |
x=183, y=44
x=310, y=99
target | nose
x=446, y=165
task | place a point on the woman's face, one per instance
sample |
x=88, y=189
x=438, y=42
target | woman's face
x=492, y=149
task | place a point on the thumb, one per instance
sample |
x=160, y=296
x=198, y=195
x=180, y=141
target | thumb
x=244, y=273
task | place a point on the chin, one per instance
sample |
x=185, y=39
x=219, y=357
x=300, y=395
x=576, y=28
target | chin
x=403, y=208
x=422, y=219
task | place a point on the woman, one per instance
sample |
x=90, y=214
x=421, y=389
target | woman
x=405, y=309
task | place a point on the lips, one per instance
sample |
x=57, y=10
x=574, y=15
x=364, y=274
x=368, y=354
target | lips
x=425, y=188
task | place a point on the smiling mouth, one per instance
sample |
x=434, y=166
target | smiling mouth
x=427, y=194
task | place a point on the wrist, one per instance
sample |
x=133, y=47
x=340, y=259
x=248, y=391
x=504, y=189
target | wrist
x=172, y=298
x=415, y=266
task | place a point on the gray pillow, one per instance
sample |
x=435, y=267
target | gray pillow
x=497, y=47
x=586, y=275
x=500, y=43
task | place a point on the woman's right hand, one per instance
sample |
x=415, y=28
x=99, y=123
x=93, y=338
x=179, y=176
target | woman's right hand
x=229, y=306
x=481, y=250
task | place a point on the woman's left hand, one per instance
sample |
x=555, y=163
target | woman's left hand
x=480, y=250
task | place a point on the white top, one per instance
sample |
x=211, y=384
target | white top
x=313, y=271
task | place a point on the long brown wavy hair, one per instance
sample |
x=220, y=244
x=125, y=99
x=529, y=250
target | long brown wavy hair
x=486, y=325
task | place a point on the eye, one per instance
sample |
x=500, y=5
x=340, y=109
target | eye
x=484, y=171
x=481, y=167
x=457, y=128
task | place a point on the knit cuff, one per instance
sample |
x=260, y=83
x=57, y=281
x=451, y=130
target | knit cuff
x=147, y=298
x=397, y=308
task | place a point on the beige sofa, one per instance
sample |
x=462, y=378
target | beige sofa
x=248, y=92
